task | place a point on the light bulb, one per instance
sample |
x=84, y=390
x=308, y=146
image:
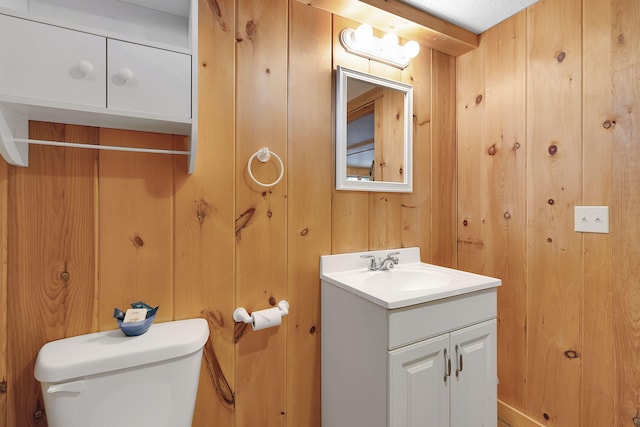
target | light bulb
x=364, y=33
x=389, y=41
x=411, y=49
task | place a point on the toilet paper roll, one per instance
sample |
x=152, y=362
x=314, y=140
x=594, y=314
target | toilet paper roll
x=268, y=318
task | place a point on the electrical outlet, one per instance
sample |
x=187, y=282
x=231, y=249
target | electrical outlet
x=592, y=219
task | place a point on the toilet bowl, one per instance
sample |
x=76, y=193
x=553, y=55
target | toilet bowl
x=108, y=379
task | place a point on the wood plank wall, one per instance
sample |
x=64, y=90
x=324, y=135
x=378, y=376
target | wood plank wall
x=547, y=120
x=82, y=232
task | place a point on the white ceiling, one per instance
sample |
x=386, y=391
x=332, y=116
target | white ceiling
x=473, y=15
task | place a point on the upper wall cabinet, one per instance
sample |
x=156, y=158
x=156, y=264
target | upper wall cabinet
x=110, y=63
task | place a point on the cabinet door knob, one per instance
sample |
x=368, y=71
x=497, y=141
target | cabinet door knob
x=85, y=67
x=125, y=74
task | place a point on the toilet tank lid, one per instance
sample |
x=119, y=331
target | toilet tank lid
x=102, y=352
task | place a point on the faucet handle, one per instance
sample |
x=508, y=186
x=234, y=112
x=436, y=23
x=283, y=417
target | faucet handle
x=393, y=257
x=372, y=264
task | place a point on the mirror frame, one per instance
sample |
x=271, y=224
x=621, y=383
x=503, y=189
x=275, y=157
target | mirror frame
x=406, y=186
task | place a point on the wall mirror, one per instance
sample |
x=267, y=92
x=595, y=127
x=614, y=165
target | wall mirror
x=373, y=133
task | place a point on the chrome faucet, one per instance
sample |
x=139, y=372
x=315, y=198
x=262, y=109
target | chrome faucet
x=382, y=264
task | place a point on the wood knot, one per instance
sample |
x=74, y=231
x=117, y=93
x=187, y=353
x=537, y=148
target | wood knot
x=250, y=29
x=516, y=146
x=243, y=219
x=304, y=232
x=272, y=301
x=64, y=275
x=3, y=386
x=312, y=330
x=571, y=354
x=507, y=215
x=465, y=222
x=621, y=38
x=400, y=171
x=492, y=150
x=138, y=242
x=38, y=414
x=561, y=56
x=478, y=99
x=553, y=149
x=551, y=201
x=608, y=124
x=549, y=239
x=203, y=208
x=546, y=416
x=269, y=213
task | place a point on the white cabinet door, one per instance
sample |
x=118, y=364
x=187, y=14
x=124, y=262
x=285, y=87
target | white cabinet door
x=51, y=64
x=148, y=80
x=474, y=377
x=419, y=387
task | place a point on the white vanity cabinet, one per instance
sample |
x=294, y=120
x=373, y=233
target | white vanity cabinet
x=431, y=364
x=449, y=380
x=128, y=64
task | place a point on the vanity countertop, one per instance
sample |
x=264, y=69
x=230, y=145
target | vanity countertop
x=408, y=283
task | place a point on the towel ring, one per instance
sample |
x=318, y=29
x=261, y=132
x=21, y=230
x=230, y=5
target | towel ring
x=264, y=155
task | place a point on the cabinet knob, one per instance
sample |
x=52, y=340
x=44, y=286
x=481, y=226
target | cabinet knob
x=125, y=74
x=85, y=67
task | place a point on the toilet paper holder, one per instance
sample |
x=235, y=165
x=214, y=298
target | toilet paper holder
x=241, y=314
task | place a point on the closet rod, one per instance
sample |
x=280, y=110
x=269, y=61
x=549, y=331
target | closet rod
x=98, y=147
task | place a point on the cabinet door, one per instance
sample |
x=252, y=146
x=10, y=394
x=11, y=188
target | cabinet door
x=474, y=380
x=143, y=79
x=50, y=64
x=418, y=385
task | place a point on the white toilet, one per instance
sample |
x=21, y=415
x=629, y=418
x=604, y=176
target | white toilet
x=107, y=379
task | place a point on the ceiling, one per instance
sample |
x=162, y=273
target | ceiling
x=473, y=15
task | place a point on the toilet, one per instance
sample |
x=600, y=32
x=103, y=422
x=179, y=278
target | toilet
x=107, y=379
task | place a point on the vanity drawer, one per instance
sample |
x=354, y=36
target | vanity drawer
x=415, y=323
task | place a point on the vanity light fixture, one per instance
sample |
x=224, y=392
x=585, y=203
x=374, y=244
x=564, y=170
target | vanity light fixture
x=362, y=42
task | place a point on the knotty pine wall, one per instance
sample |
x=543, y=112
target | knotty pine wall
x=547, y=120
x=84, y=231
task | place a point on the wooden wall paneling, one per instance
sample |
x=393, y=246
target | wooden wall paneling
x=599, y=386
x=443, y=166
x=204, y=216
x=385, y=209
x=51, y=265
x=472, y=153
x=349, y=209
x=136, y=225
x=554, y=186
x=625, y=206
x=504, y=199
x=261, y=120
x=309, y=182
x=385, y=220
x=416, y=206
x=3, y=291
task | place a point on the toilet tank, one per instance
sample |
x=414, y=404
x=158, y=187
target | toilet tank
x=109, y=379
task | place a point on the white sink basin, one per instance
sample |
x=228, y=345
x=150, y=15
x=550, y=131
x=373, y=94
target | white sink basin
x=408, y=283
